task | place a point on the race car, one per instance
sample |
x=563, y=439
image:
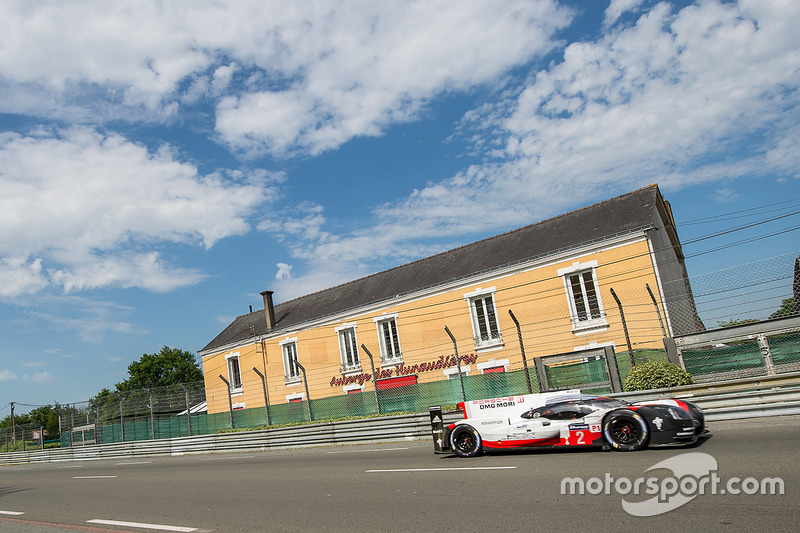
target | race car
x=566, y=418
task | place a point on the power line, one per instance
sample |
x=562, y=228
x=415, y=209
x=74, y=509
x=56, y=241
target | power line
x=735, y=214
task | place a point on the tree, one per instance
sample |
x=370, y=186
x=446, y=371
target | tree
x=787, y=308
x=167, y=367
x=47, y=417
x=736, y=322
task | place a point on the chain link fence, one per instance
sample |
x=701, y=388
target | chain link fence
x=23, y=437
x=726, y=302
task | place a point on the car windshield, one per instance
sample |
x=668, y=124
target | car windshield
x=609, y=403
x=572, y=407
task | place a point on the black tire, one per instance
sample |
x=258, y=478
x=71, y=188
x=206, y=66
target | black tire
x=466, y=442
x=626, y=430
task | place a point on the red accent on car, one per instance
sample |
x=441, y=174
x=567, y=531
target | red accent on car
x=523, y=443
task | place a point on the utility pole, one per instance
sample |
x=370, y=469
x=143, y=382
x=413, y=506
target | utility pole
x=13, y=430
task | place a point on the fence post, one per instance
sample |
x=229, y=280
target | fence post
x=266, y=398
x=305, y=382
x=121, y=415
x=522, y=351
x=374, y=378
x=152, y=417
x=658, y=312
x=188, y=407
x=624, y=327
x=541, y=375
x=766, y=354
x=230, y=402
x=458, y=365
x=672, y=351
x=41, y=437
x=613, y=369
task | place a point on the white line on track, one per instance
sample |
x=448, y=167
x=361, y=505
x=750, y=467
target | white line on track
x=375, y=450
x=136, y=463
x=229, y=458
x=93, y=477
x=12, y=513
x=445, y=469
x=140, y=525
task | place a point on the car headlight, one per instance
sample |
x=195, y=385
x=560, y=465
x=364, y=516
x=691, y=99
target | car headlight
x=679, y=414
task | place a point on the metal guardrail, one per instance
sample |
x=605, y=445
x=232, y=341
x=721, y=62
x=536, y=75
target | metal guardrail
x=744, y=398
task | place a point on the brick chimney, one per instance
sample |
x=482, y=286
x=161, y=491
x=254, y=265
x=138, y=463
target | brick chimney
x=269, y=309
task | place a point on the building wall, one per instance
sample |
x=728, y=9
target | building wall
x=535, y=293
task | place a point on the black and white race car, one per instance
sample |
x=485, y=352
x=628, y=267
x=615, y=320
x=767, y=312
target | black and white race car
x=566, y=418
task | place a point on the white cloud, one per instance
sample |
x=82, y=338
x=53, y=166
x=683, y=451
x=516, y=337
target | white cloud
x=77, y=203
x=705, y=94
x=310, y=75
x=616, y=8
x=7, y=375
x=42, y=377
x=284, y=271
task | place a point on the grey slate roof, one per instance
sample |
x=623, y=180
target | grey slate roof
x=622, y=214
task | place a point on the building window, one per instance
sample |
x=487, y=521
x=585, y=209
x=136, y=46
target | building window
x=493, y=366
x=348, y=348
x=390, y=342
x=234, y=374
x=452, y=372
x=291, y=368
x=586, y=307
x=295, y=398
x=485, y=327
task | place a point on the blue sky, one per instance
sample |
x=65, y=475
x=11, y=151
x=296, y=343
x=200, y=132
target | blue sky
x=161, y=163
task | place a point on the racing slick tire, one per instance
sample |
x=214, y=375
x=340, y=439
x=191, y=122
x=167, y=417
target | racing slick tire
x=466, y=442
x=626, y=430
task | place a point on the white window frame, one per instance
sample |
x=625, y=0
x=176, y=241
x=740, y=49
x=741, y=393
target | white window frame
x=583, y=322
x=396, y=355
x=296, y=396
x=354, y=387
x=289, y=346
x=452, y=372
x=235, y=382
x=493, y=363
x=484, y=317
x=346, y=334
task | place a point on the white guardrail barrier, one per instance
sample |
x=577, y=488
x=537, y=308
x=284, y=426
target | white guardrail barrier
x=736, y=399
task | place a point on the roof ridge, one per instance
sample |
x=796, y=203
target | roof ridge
x=450, y=250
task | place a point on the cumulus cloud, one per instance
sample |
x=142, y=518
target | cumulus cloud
x=664, y=100
x=285, y=77
x=7, y=375
x=78, y=204
x=707, y=93
x=42, y=377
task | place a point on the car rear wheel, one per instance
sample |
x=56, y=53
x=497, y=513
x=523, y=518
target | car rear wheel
x=626, y=430
x=465, y=441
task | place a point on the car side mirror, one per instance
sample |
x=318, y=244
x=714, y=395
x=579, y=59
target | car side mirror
x=545, y=422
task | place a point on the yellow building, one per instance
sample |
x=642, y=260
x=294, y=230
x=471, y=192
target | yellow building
x=553, y=287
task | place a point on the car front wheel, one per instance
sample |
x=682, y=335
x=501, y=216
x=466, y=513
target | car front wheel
x=626, y=430
x=465, y=441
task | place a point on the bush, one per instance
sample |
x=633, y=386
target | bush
x=656, y=375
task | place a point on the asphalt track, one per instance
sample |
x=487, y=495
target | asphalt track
x=405, y=487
